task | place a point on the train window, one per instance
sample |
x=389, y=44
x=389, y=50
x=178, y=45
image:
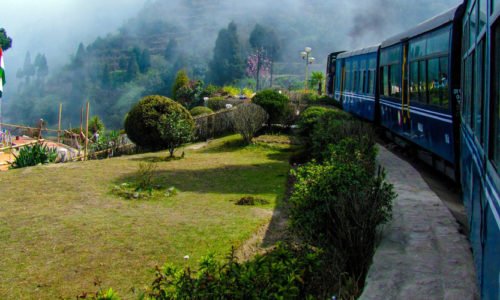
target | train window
x=414, y=81
x=433, y=83
x=495, y=65
x=438, y=42
x=443, y=82
x=465, y=40
x=468, y=91
x=479, y=92
x=482, y=14
x=473, y=25
x=385, y=80
x=496, y=6
x=418, y=48
x=395, y=80
x=363, y=82
x=422, y=81
x=372, y=82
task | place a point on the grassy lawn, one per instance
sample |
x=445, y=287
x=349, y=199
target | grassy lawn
x=61, y=227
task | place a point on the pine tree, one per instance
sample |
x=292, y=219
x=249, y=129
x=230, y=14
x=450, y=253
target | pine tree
x=181, y=80
x=227, y=64
x=5, y=40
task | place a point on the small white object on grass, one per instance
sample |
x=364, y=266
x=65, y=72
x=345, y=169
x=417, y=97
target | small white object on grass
x=186, y=257
x=228, y=106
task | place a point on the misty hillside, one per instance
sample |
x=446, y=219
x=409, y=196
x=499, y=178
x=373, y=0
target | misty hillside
x=142, y=58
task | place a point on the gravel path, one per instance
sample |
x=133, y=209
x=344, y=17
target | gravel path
x=421, y=255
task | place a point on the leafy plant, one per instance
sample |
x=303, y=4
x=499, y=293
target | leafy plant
x=200, y=110
x=286, y=272
x=273, y=103
x=33, y=155
x=309, y=118
x=157, y=122
x=96, y=125
x=230, y=91
x=145, y=176
x=338, y=205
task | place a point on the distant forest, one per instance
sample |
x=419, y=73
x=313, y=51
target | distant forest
x=212, y=40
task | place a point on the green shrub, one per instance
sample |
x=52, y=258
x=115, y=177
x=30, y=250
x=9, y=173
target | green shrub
x=286, y=272
x=338, y=205
x=219, y=103
x=181, y=81
x=200, y=110
x=95, y=125
x=157, y=122
x=331, y=128
x=210, y=91
x=34, y=155
x=274, y=104
x=230, y=91
x=309, y=118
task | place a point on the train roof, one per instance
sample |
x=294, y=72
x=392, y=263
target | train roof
x=424, y=27
x=367, y=50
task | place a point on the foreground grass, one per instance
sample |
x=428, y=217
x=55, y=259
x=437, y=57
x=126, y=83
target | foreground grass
x=61, y=228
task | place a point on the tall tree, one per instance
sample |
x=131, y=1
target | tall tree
x=133, y=67
x=227, y=64
x=145, y=61
x=266, y=43
x=5, y=40
x=172, y=50
x=79, y=59
x=181, y=80
x=28, y=67
x=41, y=66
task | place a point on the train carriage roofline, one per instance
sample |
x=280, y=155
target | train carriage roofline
x=362, y=51
x=426, y=26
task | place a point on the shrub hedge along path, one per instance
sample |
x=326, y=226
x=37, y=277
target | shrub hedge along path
x=61, y=227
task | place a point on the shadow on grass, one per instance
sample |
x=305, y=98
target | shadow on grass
x=227, y=179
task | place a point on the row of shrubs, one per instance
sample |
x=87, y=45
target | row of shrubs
x=340, y=197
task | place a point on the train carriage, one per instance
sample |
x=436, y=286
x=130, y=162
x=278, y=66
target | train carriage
x=419, y=84
x=356, y=82
x=480, y=138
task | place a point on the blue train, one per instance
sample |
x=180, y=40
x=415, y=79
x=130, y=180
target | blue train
x=437, y=87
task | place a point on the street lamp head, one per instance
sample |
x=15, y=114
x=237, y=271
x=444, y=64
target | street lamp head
x=308, y=49
x=311, y=60
x=303, y=54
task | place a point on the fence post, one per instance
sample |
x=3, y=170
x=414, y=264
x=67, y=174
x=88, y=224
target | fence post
x=59, y=128
x=87, y=132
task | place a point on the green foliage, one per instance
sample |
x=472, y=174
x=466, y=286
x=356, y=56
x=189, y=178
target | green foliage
x=181, y=81
x=200, y=110
x=309, y=118
x=227, y=64
x=274, y=104
x=265, y=38
x=332, y=127
x=210, y=91
x=144, y=61
x=338, y=205
x=34, y=155
x=249, y=118
x=248, y=93
x=5, y=40
x=317, y=80
x=96, y=125
x=145, y=176
x=286, y=272
x=230, y=91
x=101, y=295
x=158, y=122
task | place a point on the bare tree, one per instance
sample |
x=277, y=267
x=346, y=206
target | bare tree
x=249, y=118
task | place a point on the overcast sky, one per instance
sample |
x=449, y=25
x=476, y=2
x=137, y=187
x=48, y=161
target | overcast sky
x=55, y=27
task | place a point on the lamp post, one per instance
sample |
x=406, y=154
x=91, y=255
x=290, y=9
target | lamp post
x=309, y=60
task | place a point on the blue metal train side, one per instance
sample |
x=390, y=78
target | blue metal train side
x=417, y=86
x=480, y=140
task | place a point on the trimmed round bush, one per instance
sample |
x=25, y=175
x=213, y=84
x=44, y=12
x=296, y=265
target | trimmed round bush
x=274, y=103
x=157, y=122
x=200, y=110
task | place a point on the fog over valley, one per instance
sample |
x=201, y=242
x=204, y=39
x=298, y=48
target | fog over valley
x=91, y=47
